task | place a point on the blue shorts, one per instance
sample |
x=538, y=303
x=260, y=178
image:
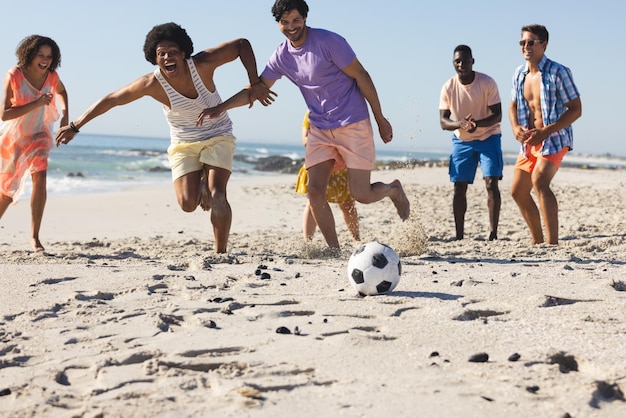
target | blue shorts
x=467, y=154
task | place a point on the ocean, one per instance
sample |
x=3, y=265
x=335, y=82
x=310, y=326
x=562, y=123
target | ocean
x=102, y=163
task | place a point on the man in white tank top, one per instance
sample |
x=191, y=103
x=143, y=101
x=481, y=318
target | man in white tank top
x=200, y=155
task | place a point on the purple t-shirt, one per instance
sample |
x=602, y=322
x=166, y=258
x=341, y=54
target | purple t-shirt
x=334, y=99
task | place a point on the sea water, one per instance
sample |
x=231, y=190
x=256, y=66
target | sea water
x=102, y=163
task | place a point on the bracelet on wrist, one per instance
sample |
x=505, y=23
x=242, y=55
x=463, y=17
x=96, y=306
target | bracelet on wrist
x=74, y=128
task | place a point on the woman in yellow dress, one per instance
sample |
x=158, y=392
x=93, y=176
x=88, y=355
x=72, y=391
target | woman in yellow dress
x=336, y=192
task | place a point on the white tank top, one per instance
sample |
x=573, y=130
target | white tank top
x=183, y=111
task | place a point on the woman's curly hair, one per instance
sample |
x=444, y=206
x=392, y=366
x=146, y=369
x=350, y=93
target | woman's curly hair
x=166, y=32
x=29, y=47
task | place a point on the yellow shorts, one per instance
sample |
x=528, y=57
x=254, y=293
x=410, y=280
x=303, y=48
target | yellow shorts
x=337, y=190
x=187, y=157
x=350, y=146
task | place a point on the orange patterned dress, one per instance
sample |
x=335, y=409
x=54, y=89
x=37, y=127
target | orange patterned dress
x=25, y=142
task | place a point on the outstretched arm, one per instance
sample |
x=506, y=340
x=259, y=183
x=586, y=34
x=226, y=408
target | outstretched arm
x=141, y=87
x=240, y=99
x=209, y=59
x=366, y=85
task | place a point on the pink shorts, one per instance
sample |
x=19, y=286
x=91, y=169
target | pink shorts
x=527, y=163
x=350, y=146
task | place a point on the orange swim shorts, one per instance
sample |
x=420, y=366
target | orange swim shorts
x=528, y=162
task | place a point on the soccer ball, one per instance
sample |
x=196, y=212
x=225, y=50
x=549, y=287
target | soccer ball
x=374, y=268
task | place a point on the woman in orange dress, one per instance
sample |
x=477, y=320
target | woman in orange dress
x=28, y=111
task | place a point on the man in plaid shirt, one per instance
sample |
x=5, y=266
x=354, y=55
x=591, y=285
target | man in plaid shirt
x=544, y=104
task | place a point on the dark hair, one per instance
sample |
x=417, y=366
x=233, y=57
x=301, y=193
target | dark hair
x=539, y=30
x=281, y=7
x=166, y=32
x=29, y=46
x=463, y=48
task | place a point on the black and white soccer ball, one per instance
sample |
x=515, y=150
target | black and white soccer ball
x=374, y=268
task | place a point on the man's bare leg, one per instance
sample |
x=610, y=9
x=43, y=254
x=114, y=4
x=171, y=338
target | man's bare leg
x=322, y=212
x=351, y=218
x=542, y=177
x=5, y=201
x=308, y=222
x=187, y=188
x=459, y=207
x=37, y=205
x=188, y=193
x=520, y=191
x=494, y=202
x=205, y=195
x=221, y=213
x=365, y=192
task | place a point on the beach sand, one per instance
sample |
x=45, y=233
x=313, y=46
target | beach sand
x=130, y=313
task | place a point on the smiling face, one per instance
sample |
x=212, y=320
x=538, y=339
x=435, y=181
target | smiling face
x=293, y=26
x=42, y=59
x=532, y=53
x=170, y=58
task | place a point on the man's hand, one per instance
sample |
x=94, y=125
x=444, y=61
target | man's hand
x=534, y=136
x=468, y=124
x=209, y=112
x=385, y=130
x=259, y=91
x=521, y=133
x=65, y=135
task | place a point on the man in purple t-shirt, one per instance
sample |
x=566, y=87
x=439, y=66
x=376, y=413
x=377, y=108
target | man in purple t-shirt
x=336, y=89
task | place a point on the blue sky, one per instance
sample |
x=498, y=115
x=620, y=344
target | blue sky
x=405, y=45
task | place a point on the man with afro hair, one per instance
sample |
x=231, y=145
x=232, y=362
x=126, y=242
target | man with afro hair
x=200, y=155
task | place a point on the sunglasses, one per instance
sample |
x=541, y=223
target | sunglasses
x=530, y=42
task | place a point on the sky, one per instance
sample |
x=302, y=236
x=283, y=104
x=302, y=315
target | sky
x=405, y=45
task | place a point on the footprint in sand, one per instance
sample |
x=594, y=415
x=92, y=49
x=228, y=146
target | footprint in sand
x=472, y=315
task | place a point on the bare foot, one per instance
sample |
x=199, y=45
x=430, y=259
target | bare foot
x=36, y=244
x=400, y=200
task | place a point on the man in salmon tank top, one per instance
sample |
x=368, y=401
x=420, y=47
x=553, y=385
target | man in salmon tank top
x=200, y=154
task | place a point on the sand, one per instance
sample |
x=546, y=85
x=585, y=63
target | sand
x=130, y=313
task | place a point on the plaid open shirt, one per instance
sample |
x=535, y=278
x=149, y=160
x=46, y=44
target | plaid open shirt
x=557, y=89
